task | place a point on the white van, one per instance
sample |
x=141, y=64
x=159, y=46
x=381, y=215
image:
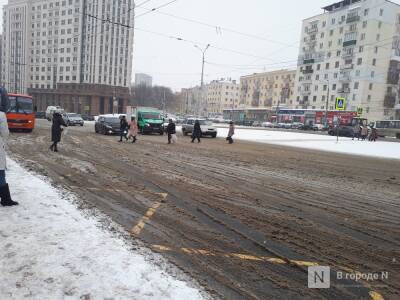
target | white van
x=51, y=110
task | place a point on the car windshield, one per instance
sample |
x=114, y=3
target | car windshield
x=112, y=120
x=150, y=115
x=20, y=105
x=74, y=116
x=205, y=122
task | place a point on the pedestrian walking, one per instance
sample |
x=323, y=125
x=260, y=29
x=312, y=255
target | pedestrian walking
x=196, y=131
x=133, y=129
x=374, y=134
x=56, y=130
x=231, y=133
x=123, y=127
x=4, y=133
x=171, y=131
x=364, y=132
x=356, y=131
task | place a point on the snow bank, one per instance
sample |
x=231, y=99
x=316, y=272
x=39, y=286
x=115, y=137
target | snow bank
x=50, y=250
x=318, y=142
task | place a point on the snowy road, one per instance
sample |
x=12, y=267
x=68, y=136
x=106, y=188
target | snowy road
x=243, y=220
x=51, y=250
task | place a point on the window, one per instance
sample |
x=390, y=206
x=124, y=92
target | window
x=337, y=64
x=366, y=11
x=374, y=62
x=341, y=30
x=380, y=24
x=318, y=67
x=378, y=37
x=334, y=87
x=361, y=49
x=381, y=12
x=331, y=32
x=359, y=61
x=356, y=85
x=364, y=25
x=362, y=36
x=327, y=66
x=371, y=85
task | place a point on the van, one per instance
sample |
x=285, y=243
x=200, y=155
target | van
x=51, y=110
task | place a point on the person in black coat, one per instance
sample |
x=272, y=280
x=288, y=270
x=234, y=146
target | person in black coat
x=171, y=129
x=56, y=130
x=196, y=131
x=124, y=126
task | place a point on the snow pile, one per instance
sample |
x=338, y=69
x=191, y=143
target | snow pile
x=50, y=250
x=317, y=142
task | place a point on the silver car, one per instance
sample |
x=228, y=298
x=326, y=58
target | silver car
x=207, y=129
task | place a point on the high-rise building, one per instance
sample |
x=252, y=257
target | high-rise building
x=74, y=53
x=143, y=79
x=351, y=51
x=267, y=90
x=221, y=94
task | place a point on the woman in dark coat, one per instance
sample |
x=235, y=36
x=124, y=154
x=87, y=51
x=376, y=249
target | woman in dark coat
x=56, y=130
x=196, y=131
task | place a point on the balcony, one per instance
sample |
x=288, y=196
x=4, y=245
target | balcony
x=344, y=91
x=351, y=19
x=347, y=55
x=312, y=30
x=305, y=93
x=344, y=78
x=347, y=67
x=308, y=61
x=390, y=101
x=308, y=71
x=349, y=43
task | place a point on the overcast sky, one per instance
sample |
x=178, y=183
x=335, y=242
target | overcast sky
x=177, y=64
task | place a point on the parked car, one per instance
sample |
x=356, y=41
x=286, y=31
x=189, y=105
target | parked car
x=319, y=127
x=73, y=119
x=267, y=125
x=51, y=110
x=257, y=124
x=87, y=117
x=40, y=115
x=207, y=128
x=107, y=125
x=305, y=127
x=296, y=125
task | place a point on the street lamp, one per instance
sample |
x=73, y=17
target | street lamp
x=203, y=51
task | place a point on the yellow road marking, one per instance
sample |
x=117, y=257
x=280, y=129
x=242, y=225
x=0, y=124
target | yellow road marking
x=373, y=294
x=137, y=229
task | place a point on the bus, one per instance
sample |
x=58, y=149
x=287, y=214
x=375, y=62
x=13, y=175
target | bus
x=388, y=128
x=20, y=114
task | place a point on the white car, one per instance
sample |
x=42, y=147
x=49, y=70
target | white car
x=267, y=125
x=51, y=110
x=207, y=128
x=318, y=127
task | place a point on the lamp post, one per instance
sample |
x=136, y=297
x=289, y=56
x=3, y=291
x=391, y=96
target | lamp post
x=203, y=51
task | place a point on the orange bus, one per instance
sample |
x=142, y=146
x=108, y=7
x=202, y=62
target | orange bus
x=20, y=114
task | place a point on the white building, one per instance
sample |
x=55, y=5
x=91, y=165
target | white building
x=221, y=94
x=352, y=50
x=50, y=43
x=143, y=79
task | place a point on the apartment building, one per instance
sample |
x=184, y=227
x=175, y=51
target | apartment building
x=222, y=94
x=75, y=53
x=351, y=50
x=267, y=90
x=194, y=101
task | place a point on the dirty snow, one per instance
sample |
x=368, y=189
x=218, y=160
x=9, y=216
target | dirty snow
x=317, y=142
x=51, y=250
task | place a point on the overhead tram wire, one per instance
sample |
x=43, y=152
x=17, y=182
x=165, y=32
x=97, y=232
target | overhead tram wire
x=155, y=8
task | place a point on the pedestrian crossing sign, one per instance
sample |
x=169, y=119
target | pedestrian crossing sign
x=340, y=103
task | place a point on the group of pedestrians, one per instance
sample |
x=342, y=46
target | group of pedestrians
x=361, y=132
x=128, y=130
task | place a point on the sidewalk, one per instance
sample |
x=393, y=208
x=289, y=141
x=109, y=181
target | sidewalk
x=51, y=250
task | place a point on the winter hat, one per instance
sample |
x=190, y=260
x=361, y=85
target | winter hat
x=4, y=102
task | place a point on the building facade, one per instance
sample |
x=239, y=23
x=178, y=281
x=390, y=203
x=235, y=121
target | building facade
x=268, y=90
x=352, y=51
x=221, y=94
x=143, y=79
x=51, y=44
x=194, y=101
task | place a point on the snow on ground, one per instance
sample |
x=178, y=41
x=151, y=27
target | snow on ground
x=51, y=250
x=317, y=142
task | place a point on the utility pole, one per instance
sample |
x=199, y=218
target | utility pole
x=326, y=107
x=203, y=51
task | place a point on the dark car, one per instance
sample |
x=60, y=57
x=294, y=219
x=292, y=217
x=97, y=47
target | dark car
x=87, y=118
x=40, y=115
x=343, y=131
x=107, y=125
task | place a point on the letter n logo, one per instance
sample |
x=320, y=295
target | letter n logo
x=319, y=277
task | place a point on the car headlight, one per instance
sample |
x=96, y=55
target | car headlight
x=108, y=127
x=147, y=125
